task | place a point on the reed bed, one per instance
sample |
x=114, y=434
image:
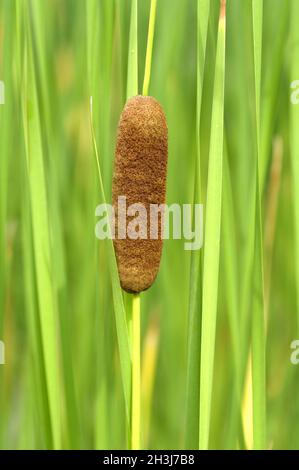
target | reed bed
x=201, y=359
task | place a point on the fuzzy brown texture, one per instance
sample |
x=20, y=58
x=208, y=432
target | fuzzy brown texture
x=140, y=169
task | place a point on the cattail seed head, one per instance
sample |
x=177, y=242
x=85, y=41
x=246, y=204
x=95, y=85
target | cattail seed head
x=140, y=175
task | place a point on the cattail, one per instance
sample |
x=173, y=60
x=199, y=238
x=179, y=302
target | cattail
x=140, y=175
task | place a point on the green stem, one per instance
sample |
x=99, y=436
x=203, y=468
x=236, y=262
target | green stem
x=135, y=409
x=132, y=84
x=134, y=320
x=149, y=49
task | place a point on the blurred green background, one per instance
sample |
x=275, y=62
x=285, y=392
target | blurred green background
x=78, y=48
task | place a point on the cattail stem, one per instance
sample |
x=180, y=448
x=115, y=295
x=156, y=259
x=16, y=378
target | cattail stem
x=133, y=304
x=149, y=48
x=135, y=422
x=132, y=83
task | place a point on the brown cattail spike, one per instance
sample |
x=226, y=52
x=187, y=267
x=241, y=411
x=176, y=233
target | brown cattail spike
x=139, y=175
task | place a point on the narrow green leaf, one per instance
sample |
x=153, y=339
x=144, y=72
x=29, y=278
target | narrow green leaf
x=258, y=317
x=132, y=83
x=229, y=253
x=119, y=309
x=41, y=243
x=295, y=139
x=212, y=240
x=270, y=87
x=195, y=299
x=50, y=145
x=149, y=49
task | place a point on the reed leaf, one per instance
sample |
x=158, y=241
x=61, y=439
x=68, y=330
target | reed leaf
x=295, y=141
x=41, y=243
x=212, y=240
x=195, y=299
x=258, y=316
x=119, y=309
